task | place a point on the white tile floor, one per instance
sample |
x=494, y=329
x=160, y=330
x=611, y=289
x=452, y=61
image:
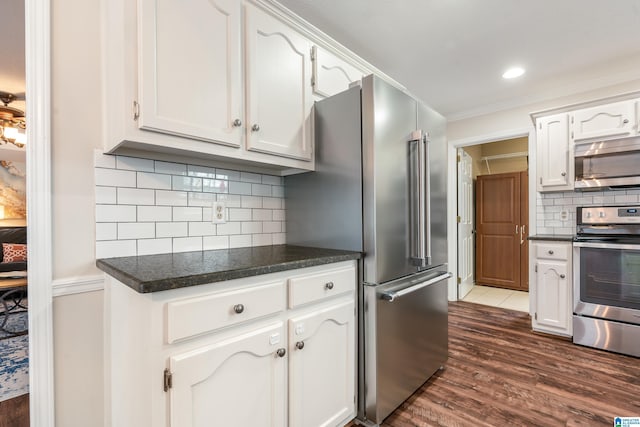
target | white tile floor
x=497, y=297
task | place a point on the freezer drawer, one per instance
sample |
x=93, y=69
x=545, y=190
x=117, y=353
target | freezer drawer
x=405, y=341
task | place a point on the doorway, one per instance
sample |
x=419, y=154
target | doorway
x=492, y=222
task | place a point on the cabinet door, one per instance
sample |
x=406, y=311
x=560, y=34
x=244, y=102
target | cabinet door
x=331, y=74
x=322, y=366
x=555, y=154
x=278, y=87
x=189, y=78
x=553, y=309
x=604, y=121
x=236, y=382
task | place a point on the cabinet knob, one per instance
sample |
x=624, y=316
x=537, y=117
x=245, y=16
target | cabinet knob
x=562, y=276
x=550, y=252
x=255, y=128
x=625, y=121
x=281, y=352
x=300, y=345
x=328, y=286
x=563, y=174
x=238, y=308
x=237, y=123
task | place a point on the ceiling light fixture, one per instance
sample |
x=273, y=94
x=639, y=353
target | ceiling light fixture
x=513, y=72
x=12, y=122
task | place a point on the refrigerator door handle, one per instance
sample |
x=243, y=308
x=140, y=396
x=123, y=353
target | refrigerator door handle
x=416, y=198
x=391, y=296
x=427, y=199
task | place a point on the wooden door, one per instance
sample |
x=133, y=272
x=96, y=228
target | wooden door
x=322, y=366
x=236, y=382
x=524, y=231
x=499, y=213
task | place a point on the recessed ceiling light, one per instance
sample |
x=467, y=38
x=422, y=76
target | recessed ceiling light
x=513, y=72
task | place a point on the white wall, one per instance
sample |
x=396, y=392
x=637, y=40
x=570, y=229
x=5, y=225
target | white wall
x=76, y=131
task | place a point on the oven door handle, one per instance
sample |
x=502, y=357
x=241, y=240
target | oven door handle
x=606, y=245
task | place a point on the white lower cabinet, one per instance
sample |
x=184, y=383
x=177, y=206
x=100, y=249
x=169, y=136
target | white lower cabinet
x=552, y=297
x=232, y=354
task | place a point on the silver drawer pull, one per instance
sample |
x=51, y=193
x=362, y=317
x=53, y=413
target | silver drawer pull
x=300, y=345
x=328, y=286
x=281, y=352
x=238, y=308
x=550, y=252
x=562, y=276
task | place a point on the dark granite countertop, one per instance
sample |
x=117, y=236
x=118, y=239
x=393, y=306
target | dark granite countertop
x=154, y=273
x=552, y=237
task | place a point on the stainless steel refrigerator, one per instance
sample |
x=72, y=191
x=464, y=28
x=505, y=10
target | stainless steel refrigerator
x=380, y=188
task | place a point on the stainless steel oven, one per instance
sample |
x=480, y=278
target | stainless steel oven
x=607, y=278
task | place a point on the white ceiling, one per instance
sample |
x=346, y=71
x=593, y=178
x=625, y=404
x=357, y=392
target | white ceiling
x=452, y=53
x=12, y=68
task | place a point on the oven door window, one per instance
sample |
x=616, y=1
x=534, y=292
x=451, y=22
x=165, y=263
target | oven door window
x=610, y=277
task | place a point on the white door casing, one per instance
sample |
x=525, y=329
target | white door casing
x=466, y=237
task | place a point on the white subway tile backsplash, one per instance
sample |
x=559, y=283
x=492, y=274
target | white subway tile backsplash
x=106, y=231
x=105, y=195
x=250, y=177
x=186, y=183
x=215, y=242
x=136, y=196
x=202, y=229
x=170, y=168
x=172, y=229
x=155, y=181
x=240, y=187
x=148, y=207
x=187, y=244
x=171, y=198
x=154, y=213
x=115, y=178
x=201, y=171
x=251, y=202
x=187, y=214
x=240, y=241
x=115, y=213
x=136, y=230
x=115, y=248
x=626, y=198
x=134, y=164
x=250, y=227
x=154, y=246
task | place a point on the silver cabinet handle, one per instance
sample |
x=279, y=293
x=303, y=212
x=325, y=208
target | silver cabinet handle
x=625, y=121
x=328, y=286
x=563, y=174
x=517, y=229
x=255, y=128
x=522, y=233
x=237, y=123
x=281, y=352
x=238, y=308
x=300, y=345
x=550, y=252
x=562, y=276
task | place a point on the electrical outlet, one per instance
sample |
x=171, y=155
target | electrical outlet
x=219, y=214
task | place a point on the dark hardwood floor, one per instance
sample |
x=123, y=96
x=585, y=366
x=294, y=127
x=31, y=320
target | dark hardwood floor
x=15, y=412
x=500, y=373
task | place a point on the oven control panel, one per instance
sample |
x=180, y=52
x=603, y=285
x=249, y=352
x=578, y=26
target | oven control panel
x=609, y=215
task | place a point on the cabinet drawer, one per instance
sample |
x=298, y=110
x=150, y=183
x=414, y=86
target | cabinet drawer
x=206, y=313
x=316, y=287
x=551, y=251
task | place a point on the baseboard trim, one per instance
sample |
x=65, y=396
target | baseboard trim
x=77, y=285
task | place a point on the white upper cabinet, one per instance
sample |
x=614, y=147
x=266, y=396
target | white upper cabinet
x=331, y=74
x=189, y=69
x=279, y=99
x=555, y=170
x=615, y=120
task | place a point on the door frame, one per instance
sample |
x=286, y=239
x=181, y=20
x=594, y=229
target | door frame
x=39, y=239
x=452, y=182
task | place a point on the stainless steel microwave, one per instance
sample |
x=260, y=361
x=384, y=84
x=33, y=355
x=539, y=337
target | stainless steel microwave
x=611, y=164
